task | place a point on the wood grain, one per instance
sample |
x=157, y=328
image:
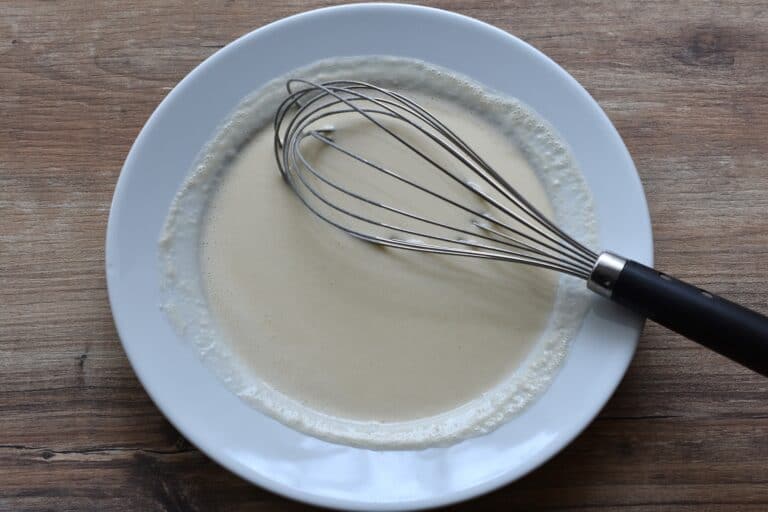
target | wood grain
x=685, y=84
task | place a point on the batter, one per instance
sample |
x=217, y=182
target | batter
x=343, y=339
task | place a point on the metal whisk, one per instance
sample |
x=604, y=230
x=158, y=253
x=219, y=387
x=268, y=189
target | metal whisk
x=485, y=217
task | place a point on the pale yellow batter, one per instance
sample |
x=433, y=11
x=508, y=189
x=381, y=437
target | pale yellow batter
x=354, y=330
x=350, y=342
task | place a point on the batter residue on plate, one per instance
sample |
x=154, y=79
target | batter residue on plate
x=350, y=342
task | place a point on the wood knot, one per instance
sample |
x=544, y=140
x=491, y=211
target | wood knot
x=47, y=455
x=707, y=48
x=82, y=357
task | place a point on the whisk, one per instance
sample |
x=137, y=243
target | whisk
x=485, y=216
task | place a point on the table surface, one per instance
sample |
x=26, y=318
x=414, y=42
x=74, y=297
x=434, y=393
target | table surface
x=684, y=83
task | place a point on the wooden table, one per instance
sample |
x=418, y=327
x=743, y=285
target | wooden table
x=686, y=84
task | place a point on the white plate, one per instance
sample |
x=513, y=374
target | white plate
x=290, y=463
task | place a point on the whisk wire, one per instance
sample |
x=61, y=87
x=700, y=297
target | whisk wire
x=305, y=107
x=425, y=116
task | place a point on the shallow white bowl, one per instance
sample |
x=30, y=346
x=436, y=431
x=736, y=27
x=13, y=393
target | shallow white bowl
x=285, y=461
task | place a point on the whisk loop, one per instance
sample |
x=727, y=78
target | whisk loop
x=509, y=229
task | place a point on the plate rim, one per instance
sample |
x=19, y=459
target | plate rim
x=179, y=424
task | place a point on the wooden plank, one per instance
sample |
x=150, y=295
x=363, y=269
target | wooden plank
x=684, y=83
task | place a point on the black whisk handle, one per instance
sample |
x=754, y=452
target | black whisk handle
x=719, y=324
